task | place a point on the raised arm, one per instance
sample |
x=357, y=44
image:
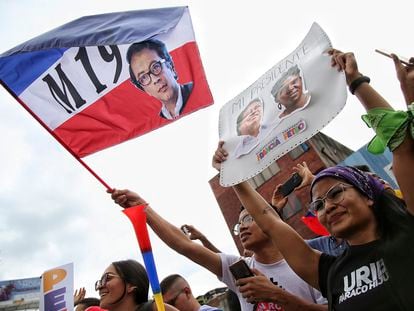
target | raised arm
x=366, y=94
x=300, y=257
x=78, y=295
x=170, y=234
x=195, y=234
x=403, y=155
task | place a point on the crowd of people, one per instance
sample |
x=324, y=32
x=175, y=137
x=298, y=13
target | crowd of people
x=364, y=264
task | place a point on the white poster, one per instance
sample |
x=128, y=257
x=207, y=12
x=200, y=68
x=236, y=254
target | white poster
x=57, y=289
x=286, y=106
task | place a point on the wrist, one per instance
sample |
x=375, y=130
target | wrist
x=352, y=77
x=408, y=93
x=356, y=83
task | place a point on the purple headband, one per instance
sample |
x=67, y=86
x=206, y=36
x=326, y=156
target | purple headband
x=365, y=183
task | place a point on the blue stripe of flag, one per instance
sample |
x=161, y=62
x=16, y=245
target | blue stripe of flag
x=18, y=71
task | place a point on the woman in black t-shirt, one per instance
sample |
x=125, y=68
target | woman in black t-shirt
x=377, y=272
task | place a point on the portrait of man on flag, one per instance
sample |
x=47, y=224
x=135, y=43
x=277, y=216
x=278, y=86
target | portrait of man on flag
x=76, y=79
x=151, y=70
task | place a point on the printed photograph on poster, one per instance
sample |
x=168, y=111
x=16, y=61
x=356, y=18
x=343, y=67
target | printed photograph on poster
x=289, y=92
x=250, y=127
x=286, y=106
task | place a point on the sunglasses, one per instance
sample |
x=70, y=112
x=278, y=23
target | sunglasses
x=104, y=279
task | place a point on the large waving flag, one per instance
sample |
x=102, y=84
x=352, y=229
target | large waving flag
x=100, y=80
x=77, y=82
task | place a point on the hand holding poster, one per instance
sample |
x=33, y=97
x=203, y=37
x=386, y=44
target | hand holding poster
x=103, y=79
x=285, y=107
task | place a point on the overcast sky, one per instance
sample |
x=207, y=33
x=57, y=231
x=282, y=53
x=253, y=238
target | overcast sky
x=54, y=212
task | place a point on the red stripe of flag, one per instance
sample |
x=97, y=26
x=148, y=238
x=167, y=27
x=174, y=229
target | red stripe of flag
x=127, y=112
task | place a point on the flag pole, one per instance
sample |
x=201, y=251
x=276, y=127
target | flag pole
x=63, y=144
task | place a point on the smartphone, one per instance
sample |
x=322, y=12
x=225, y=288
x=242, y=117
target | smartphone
x=290, y=184
x=403, y=60
x=240, y=270
x=185, y=230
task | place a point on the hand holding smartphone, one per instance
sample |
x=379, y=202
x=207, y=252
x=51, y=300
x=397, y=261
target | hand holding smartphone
x=290, y=184
x=185, y=230
x=240, y=270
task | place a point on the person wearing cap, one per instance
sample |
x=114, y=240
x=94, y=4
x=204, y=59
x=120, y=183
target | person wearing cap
x=289, y=92
x=376, y=271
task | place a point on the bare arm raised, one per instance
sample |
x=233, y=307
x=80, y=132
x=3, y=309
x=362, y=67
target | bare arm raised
x=170, y=234
x=301, y=258
x=403, y=155
x=195, y=234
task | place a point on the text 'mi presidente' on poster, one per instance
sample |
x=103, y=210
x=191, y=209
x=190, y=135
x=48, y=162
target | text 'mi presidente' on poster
x=103, y=79
x=286, y=106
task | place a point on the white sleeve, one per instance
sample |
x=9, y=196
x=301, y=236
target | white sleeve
x=227, y=277
x=317, y=296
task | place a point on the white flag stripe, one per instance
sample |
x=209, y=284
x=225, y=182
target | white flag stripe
x=40, y=100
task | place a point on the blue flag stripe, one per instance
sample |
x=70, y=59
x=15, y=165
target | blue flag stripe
x=14, y=69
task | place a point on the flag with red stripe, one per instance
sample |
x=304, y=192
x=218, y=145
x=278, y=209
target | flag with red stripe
x=79, y=83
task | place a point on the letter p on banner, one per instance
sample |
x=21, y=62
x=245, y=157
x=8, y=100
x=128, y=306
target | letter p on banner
x=52, y=277
x=57, y=289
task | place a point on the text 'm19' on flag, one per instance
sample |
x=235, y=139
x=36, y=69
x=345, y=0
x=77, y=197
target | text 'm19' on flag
x=103, y=79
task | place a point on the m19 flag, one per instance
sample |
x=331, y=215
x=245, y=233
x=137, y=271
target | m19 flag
x=103, y=79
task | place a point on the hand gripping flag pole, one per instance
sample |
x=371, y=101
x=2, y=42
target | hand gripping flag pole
x=138, y=218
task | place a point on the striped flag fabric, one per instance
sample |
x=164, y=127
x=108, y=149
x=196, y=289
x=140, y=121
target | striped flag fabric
x=78, y=82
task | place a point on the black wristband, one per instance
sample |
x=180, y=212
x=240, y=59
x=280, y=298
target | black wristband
x=357, y=82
